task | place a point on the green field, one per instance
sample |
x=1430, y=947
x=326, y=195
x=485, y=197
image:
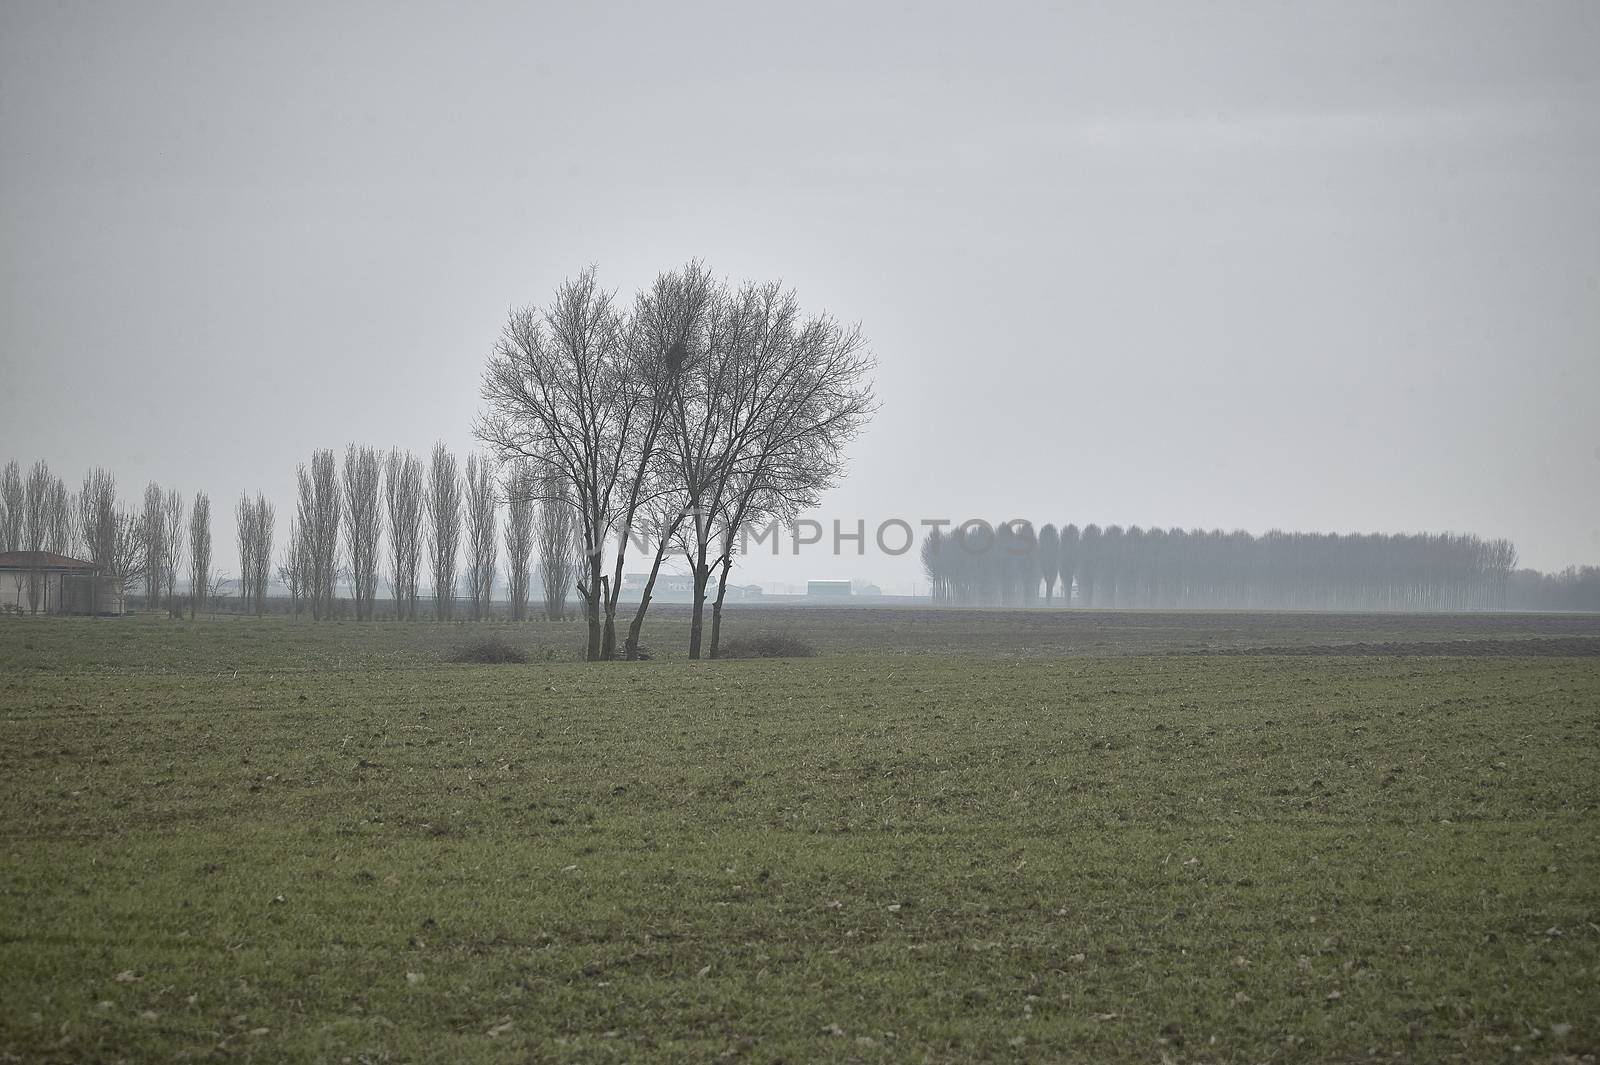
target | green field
x=953, y=836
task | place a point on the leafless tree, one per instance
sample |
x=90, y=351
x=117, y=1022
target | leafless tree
x=556, y=389
x=673, y=321
x=199, y=553
x=443, y=504
x=256, y=518
x=12, y=496
x=318, y=514
x=559, y=547
x=217, y=591
x=171, y=548
x=45, y=524
x=760, y=416
x=245, y=517
x=152, y=537
x=96, y=519
x=819, y=399
x=403, y=501
x=36, y=525
x=292, y=569
x=580, y=389
x=521, y=490
x=481, y=538
x=125, y=552
x=58, y=519
x=363, y=524
x=261, y=563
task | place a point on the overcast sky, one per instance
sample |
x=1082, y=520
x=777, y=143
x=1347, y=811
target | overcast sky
x=1318, y=266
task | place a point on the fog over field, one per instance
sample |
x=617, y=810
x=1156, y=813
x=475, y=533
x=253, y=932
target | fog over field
x=1147, y=451
x=1324, y=268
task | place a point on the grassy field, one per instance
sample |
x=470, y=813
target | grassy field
x=954, y=836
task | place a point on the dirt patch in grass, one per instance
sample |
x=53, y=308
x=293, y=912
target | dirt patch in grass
x=768, y=645
x=491, y=650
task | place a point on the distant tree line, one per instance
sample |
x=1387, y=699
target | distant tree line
x=1008, y=564
x=395, y=520
x=335, y=541
x=1574, y=588
x=130, y=546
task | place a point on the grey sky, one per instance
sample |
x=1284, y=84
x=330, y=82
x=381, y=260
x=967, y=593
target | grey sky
x=1315, y=266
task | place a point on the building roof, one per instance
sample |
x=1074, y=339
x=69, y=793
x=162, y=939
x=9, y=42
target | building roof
x=38, y=560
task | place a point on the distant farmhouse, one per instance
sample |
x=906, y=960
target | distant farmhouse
x=43, y=582
x=828, y=589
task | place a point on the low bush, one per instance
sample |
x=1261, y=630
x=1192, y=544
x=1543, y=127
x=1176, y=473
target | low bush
x=767, y=645
x=490, y=650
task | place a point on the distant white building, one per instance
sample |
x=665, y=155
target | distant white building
x=679, y=588
x=43, y=582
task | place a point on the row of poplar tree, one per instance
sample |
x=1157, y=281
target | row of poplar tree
x=393, y=519
x=129, y=545
x=1009, y=564
x=377, y=518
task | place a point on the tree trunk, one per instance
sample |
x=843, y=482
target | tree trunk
x=716, y=608
x=591, y=603
x=702, y=576
x=608, y=640
x=630, y=649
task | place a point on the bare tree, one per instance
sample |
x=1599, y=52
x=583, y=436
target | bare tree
x=363, y=520
x=672, y=321
x=403, y=502
x=481, y=539
x=199, y=553
x=125, y=551
x=154, y=547
x=97, y=511
x=261, y=556
x=256, y=518
x=291, y=568
x=443, y=504
x=760, y=416
x=12, y=496
x=171, y=548
x=217, y=591
x=559, y=548
x=245, y=517
x=58, y=519
x=36, y=524
x=318, y=513
x=569, y=389
x=521, y=490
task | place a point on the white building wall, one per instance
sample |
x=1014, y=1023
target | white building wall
x=14, y=591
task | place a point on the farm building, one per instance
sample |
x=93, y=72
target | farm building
x=43, y=582
x=828, y=589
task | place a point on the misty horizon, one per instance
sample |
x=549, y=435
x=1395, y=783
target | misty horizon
x=1305, y=272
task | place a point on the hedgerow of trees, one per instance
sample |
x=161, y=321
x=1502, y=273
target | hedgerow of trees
x=1004, y=564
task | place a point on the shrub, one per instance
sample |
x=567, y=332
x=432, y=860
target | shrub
x=767, y=645
x=490, y=650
